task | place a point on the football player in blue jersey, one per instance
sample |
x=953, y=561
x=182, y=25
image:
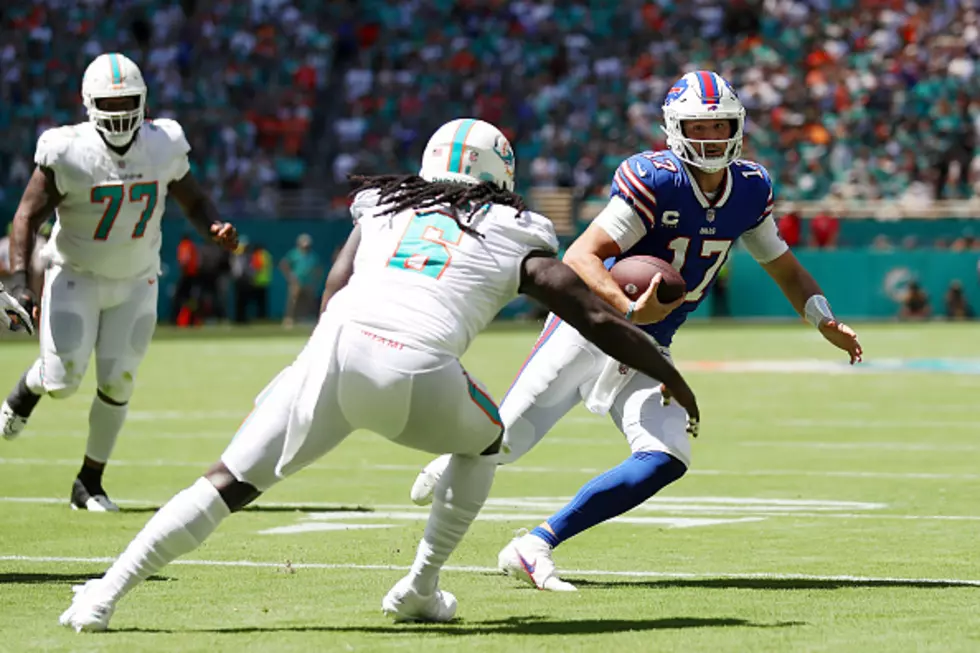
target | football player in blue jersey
x=687, y=205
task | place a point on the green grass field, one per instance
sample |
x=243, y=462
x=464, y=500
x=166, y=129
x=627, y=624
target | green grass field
x=825, y=512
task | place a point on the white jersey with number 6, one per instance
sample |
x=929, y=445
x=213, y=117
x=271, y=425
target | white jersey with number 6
x=422, y=280
x=108, y=221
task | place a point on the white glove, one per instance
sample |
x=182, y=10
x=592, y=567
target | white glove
x=693, y=427
x=12, y=314
x=693, y=424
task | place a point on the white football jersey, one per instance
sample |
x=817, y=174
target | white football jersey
x=423, y=281
x=108, y=222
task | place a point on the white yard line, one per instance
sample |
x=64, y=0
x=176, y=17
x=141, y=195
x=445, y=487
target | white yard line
x=507, y=509
x=154, y=415
x=885, y=580
x=523, y=469
x=808, y=423
x=869, y=445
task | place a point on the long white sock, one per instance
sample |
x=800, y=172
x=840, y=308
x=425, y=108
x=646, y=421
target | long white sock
x=458, y=498
x=175, y=530
x=105, y=421
x=34, y=380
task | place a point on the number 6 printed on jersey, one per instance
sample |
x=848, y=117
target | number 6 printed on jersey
x=424, y=247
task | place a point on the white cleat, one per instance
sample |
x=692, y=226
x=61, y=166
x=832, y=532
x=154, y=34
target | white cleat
x=97, y=503
x=528, y=558
x=11, y=424
x=428, y=478
x=404, y=603
x=86, y=614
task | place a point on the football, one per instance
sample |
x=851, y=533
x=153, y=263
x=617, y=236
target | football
x=635, y=273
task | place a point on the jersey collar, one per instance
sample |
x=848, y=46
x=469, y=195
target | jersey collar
x=720, y=199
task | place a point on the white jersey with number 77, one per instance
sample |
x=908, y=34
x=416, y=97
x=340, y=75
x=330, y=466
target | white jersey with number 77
x=108, y=221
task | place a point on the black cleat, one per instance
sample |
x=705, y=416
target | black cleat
x=82, y=499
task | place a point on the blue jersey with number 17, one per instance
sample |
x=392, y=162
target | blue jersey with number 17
x=693, y=232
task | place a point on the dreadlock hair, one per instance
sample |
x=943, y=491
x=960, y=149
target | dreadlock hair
x=403, y=192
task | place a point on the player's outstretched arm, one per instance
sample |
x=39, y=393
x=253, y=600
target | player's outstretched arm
x=342, y=269
x=558, y=287
x=804, y=293
x=202, y=213
x=38, y=202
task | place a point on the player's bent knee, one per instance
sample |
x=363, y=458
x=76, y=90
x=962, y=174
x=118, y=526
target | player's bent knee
x=236, y=494
x=61, y=392
x=117, y=394
x=660, y=467
x=519, y=437
x=494, y=448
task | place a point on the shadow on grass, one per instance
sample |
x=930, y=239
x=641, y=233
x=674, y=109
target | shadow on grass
x=755, y=583
x=529, y=625
x=271, y=509
x=18, y=578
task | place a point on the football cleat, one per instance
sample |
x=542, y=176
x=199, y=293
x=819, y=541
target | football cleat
x=404, y=603
x=528, y=558
x=428, y=478
x=82, y=499
x=86, y=613
x=11, y=424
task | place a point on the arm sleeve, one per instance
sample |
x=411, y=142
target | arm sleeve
x=764, y=242
x=621, y=222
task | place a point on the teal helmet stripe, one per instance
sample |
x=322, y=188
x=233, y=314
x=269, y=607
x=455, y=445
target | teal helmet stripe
x=459, y=142
x=116, y=71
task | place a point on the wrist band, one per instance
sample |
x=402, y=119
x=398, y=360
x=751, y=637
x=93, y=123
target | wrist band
x=817, y=310
x=629, y=311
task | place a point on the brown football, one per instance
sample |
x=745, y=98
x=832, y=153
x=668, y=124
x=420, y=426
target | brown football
x=635, y=273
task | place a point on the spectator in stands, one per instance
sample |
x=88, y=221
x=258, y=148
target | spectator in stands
x=212, y=278
x=859, y=99
x=824, y=229
x=242, y=278
x=915, y=304
x=183, y=309
x=790, y=228
x=302, y=270
x=251, y=269
x=957, y=307
x=260, y=263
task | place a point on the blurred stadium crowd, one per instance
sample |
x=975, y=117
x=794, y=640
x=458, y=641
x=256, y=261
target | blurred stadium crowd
x=850, y=98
